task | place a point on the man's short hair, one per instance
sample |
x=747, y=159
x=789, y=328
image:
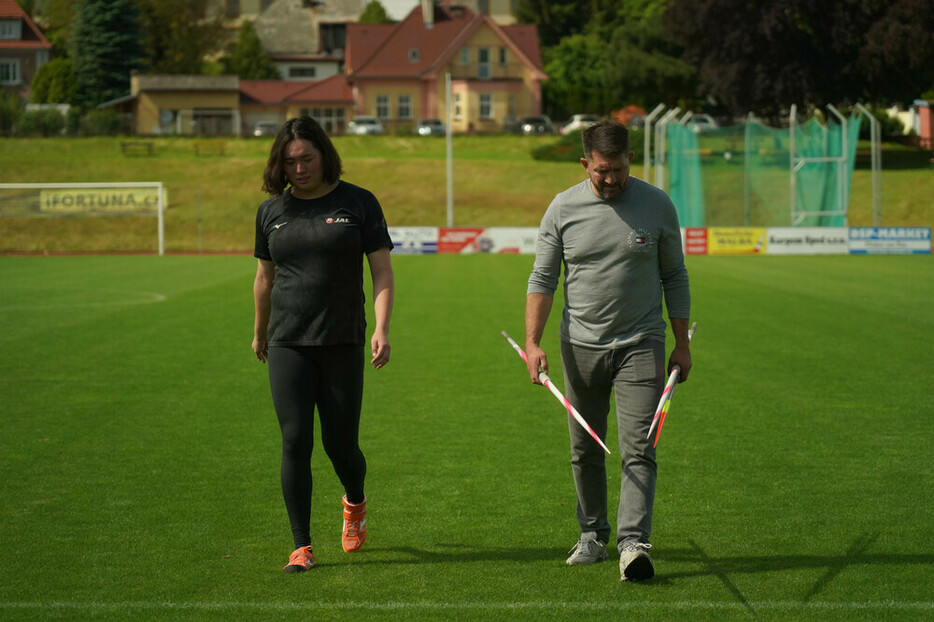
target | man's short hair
x=608, y=138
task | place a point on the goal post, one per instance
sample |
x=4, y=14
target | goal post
x=56, y=200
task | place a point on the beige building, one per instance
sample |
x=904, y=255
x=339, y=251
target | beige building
x=186, y=104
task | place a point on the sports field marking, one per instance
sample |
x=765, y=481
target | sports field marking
x=305, y=606
x=124, y=298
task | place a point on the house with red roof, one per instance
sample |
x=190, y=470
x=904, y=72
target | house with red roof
x=328, y=101
x=399, y=72
x=23, y=49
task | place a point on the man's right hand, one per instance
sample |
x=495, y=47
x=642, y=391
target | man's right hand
x=537, y=361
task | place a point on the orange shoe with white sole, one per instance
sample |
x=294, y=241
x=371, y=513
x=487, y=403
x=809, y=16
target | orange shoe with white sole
x=300, y=560
x=354, y=534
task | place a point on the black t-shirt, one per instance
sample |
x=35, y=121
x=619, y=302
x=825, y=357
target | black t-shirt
x=317, y=246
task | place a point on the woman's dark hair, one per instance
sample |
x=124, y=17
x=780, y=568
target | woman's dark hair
x=306, y=128
x=608, y=138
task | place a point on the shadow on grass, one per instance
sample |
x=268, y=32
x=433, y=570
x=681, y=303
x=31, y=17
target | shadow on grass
x=459, y=554
x=723, y=568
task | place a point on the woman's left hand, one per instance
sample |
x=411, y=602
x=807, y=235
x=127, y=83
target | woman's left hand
x=379, y=344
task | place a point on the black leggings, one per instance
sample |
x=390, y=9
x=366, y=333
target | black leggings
x=331, y=378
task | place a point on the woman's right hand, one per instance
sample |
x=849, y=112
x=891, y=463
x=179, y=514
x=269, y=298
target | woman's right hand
x=261, y=349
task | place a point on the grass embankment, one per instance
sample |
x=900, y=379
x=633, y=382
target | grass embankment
x=213, y=198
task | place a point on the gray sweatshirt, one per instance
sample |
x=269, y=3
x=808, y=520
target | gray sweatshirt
x=619, y=256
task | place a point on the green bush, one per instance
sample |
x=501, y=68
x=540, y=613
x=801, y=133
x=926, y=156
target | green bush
x=10, y=113
x=47, y=122
x=101, y=123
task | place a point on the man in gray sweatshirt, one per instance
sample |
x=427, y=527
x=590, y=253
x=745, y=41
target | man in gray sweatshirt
x=620, y=242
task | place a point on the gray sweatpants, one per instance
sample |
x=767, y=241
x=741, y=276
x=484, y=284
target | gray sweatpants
x=636, y=375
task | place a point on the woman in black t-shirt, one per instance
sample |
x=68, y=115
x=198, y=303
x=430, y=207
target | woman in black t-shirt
x=311, y=237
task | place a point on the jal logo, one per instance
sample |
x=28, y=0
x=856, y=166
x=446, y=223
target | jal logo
x=342, y=219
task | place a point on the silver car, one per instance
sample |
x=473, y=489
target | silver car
x=364, y=124
x=430, y=127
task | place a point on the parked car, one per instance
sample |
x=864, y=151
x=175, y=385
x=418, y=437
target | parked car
x=364, y=124
x=265, y=128
x=538, y=124
x=430, y=127
x=702, y=123
x=579, y=122
x=636, y=121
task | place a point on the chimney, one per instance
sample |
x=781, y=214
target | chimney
x=428, y=14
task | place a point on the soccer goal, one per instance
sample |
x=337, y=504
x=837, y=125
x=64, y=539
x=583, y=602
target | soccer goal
x=58, y=200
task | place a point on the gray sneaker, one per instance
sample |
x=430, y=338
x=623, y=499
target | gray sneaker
x=635, y=564
x=588, y=550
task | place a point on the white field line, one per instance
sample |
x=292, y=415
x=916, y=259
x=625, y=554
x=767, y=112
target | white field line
x=305, y=606
x=133, y=298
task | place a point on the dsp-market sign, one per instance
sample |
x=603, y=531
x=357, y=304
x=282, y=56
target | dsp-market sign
x=107, y=201
x=890, y=240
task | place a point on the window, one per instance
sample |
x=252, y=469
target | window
x=414, y=55
x=465, y=56
x=11, y=29
x=486, y=106
x=301, y=72
x=405, y=107
x=233, y=9
x=512, y=105
x=382, y=106
x=503, y=57
x=9, y=72
x=331, y=119
x=483, y=64
x=458, y=113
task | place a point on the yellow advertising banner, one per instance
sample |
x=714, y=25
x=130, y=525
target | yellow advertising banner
x=99, y=200
x=736, y=240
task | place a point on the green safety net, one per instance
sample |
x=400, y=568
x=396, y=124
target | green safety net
x=741, y=175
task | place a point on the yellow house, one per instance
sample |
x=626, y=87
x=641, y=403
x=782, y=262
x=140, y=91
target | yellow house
x=399, y=72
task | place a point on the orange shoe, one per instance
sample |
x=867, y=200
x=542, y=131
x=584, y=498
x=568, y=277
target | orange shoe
x=354, y=534
x=300, y=560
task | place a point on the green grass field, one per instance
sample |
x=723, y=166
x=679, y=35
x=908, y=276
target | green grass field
x=139, y=454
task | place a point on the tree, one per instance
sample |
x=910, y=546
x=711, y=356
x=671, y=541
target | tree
x=898, y=56
x=55, y=17
x=374, y=13
x=606, y=54
x=105, y=45
x=54, y=83
x=801, y=52
x=555, y=20
x=179, y=35
x=248, y=59
x=576, y=68
x=643, y=64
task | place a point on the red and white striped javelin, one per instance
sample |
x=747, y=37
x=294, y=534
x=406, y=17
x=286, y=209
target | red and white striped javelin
x=545, y=380
x=664, y=404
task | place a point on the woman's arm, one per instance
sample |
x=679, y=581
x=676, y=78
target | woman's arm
x=262, y=294
x=383, y=294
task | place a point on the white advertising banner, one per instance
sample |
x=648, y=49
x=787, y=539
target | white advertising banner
x=890, y=240
x=414, y=240
x=807, y=241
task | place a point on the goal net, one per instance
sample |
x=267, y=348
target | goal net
x=77, y=200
